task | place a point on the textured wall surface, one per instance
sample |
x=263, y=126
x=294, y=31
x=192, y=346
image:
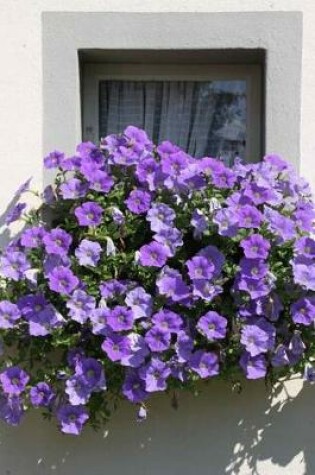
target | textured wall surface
x=219, y=432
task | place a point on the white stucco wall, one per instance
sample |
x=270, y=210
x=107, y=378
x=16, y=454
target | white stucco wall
x=218, y=432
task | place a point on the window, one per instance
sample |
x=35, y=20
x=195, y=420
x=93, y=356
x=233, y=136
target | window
x=208, y=110
x=269, y=42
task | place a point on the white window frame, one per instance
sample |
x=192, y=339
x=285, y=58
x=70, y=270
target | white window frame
x=94, y=73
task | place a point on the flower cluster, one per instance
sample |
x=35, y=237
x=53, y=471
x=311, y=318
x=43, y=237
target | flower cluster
x=147, y=270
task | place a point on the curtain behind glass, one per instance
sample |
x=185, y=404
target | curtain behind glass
x=203, y=118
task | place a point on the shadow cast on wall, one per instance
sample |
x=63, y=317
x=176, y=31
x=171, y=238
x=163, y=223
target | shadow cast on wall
x=218, y=432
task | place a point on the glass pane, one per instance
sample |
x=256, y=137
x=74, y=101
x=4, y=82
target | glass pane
x=205, y=118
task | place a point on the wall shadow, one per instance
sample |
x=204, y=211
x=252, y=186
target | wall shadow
x=218, y=432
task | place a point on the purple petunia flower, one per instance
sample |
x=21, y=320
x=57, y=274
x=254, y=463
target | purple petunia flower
x=153, y=255
x=184, y=346
x=189, y=179
x=305, y=246
x=33, y=237
x=280, y=225
x=248, y=217
x=160, y=216
x=138, y=351
x=269, y=307
x=88, y=150
x=200, y=268
x=74, y=356
x=62, y=280
x=206, y=290
x=209, y=165
x=224, y=178
x=80, y=306
x=168, y=321
x=155, y=375
x=140, y=302
x=73, y=189
x=41, y=395
x=137, y=139
x=14, y=380
x=170, y=283
x=92, y=373
x=77, y=390
x=253, y=367
x=215, y=258
x=88, y=253
x=138, y=202
x=303, y=311
x=255, y=247
x=226, y=220
x=72, y=418
x=100, y=181
x=173, y=165
x=166, y=148
x=113, y=288
x=212, y=326
x=54, y=159
x=98, y=318
x=70, y=163
x=179, y=369
x=280, y=356
x=171, y=238
x=42, y=323
x=258, y=338
x=89, y=214
x=134, y=387
x=116, y=347
x=31, y=304
x=49, y=195
x=255, y=269
x=309, y=373
x=14, y=265
x=174, y=288
x=204, y=363
x=25, y=186
x=9, y=314
x=147, y=172
x=276, y=161
x=11, y=409
x=15, y=213
x=57, y=241
x=120, y=318
x=261, y=194
x=158, y=339
x=52, y=261
x=304, y=220
x=90, y=167
x=296, y=348
x=304, y=272
x=254, y=287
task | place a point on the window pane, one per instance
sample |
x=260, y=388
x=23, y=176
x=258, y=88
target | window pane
x=202, y=117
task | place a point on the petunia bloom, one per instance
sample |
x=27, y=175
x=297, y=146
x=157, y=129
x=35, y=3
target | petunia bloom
x=138, y=201
x=89, y=214
x=88, y=253
x=153, y=255
x=14, y=380
x=212, y=325
x=72, y=418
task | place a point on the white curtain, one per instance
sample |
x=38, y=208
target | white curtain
x=203, y=118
